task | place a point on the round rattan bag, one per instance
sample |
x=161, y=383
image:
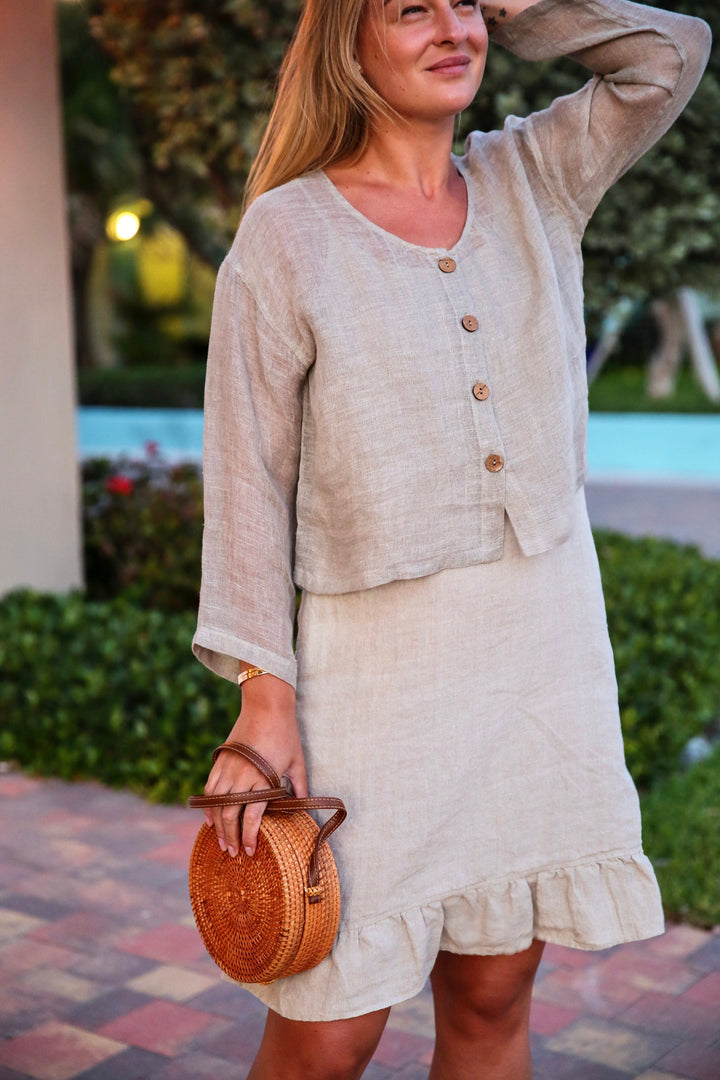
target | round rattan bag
x=275, y=913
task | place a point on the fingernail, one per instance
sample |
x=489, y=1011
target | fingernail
x=249, y=851
x=223, y=845
x=232, y=852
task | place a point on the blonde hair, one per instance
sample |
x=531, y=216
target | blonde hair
x=323, y=107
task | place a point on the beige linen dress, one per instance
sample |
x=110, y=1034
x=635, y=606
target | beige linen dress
x=469, y=720
x=421, y=478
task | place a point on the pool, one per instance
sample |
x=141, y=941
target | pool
x=622, y=447
x=660, y=447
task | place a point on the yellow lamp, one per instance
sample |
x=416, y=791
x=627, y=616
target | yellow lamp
x=122, y=225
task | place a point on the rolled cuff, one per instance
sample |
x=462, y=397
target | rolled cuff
x=221, y=652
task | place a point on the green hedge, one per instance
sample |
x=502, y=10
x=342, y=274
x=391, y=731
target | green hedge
x=681, y=831
x=179, y=386
x=663, y=605
x=109, y=691
x=617, y=389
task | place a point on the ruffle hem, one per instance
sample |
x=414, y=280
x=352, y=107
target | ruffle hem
x=592, y=905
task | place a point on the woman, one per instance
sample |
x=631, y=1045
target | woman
x=395, y=421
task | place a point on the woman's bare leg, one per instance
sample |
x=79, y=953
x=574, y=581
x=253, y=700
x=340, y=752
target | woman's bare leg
x=482, y=1014
x=306, y=1050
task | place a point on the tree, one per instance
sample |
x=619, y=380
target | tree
x=658, y=228
x=102, y=162
x=201, y=80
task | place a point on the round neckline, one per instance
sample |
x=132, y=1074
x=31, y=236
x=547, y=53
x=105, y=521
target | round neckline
x=358, y=214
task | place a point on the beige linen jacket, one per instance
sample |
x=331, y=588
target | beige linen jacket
x=359, y=427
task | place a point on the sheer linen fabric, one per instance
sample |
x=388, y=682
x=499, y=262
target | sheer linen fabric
x=469, y=719
x=343, y=445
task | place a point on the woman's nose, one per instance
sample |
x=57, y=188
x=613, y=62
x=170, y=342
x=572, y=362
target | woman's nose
x=450, y=28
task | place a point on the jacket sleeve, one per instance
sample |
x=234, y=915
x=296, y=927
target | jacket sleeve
x=253, y=414
x=646, y=64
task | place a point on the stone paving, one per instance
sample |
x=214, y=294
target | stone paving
x=104, y=977
x=687, y=514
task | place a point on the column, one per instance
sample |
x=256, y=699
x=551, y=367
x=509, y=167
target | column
x=39, y=482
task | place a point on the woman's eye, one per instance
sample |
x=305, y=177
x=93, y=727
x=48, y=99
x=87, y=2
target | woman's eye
x=418, y=9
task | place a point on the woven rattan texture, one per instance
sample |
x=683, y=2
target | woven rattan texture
x=253, y=912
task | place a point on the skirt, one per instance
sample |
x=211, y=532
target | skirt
x=469, y=719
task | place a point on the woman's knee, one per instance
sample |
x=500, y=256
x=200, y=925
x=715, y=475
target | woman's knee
x=485, y=990
x=331, y=1050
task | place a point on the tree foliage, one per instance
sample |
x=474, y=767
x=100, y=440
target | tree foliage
x=201, y=78
x=659, y=226
x=101, y=158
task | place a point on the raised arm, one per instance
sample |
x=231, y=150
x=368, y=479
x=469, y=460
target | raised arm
x=646, y=64
x=496, y=15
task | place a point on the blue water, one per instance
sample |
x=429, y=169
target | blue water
x=656, y=447
x=621, y=446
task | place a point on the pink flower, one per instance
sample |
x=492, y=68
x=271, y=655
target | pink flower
x=152, y=448
x=119, y=485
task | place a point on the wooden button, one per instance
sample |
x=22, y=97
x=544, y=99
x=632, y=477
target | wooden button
x=494, y=463
x=481, y=391
x=470, y=323
x=447, y=265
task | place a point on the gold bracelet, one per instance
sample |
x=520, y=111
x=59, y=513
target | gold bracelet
x=250, y=673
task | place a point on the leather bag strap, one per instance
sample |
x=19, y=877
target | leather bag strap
x=249, y=752
x=281, y=802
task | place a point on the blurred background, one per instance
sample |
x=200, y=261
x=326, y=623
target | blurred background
x=163, y=106
x=126, y=131
x=127, y=128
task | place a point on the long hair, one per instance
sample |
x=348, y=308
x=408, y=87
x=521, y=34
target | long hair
x=324, y=106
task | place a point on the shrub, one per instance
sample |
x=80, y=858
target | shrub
x=110, y=691
x=663, y=605
x=180, y=386
x=681, y=828
x=120, y=675
x=142, y=531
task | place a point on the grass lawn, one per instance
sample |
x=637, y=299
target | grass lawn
x=622, y=389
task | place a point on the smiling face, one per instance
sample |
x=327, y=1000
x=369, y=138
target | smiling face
x=425, y=60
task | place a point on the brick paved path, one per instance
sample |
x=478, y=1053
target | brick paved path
x=103, y=975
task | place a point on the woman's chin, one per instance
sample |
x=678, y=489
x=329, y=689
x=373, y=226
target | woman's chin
x=444, y=104
x=436, y=114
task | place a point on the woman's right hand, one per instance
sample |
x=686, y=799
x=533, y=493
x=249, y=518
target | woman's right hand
x=267, y=723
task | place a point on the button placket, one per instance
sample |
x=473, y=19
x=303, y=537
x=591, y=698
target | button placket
x=486, y=428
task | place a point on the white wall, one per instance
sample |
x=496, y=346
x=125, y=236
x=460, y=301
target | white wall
x=39, y=490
